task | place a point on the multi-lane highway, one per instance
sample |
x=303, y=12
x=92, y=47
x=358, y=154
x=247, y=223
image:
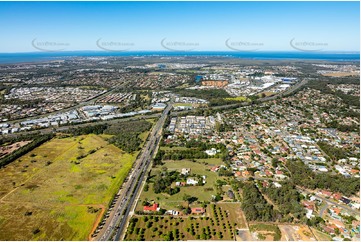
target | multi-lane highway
x=115, y=225
x=63, y=128
x=118, y=214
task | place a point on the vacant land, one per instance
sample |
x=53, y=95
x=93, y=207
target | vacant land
x=183, y=104
x=266, y=232
x=301, y=232
x=320, y=236
x=218, y=223
x=203, y=193
x=239, y=98
x=341, y=74
x=56, y=191
x=8, y=149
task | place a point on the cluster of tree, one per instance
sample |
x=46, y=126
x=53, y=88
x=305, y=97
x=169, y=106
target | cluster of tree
x=287, y=198
x=129, y=142
x=223, y=127
x=315, y=221
x=37, y=141
x=203, y=94
x=224, y=172
x=24, y=103
x=184, y=154
x=216, y=97
x=126, y=134
x=128, y=127
x=163, y=181
x=195, y=151
x=332, y=151
x=303, y=176
x=346, y=98
x=91, y=129
x=255, y=206
x=158, y=158
x=343, y=127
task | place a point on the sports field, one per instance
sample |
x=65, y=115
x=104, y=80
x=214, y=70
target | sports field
x=57, y=191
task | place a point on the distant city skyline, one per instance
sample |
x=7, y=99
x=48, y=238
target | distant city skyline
x=179, y=26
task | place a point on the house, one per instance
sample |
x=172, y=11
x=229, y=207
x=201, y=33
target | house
x=309, y=204
x=198, y=210
x=337, y=196
x=345, y=200
x=335, y=210
x=268, y=173
x=329, y=229
x=326, y=193
x=337, y=223
x=172, y=212
x=180, y=184
x=246, y=173
x=230, y=194
x=211, y=152
x=152, y=208
x=215, y=168
x=277, y=185
x=185, y=171
x=191, y=181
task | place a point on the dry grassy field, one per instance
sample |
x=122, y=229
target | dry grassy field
x=57, y=191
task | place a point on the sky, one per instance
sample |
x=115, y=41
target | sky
x=198, y=26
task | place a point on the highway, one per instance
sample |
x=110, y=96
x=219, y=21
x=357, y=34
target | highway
x=118, y=213
x=63, y=128
x=115, y=225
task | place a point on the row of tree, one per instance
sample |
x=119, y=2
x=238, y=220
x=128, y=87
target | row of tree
x=37, y=141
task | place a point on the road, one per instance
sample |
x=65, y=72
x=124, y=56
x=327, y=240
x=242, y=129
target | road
x=323, y=208
x=329, y=201
x=115, y=225
x=117, y=218
x=63, y=128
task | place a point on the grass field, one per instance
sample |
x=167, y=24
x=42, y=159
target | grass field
x=48, y=193
x=217, y=224
x=201, y=167
x=167, y=148
x=239, y=98
x=183, y=104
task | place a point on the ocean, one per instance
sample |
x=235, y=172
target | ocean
x=12, y=58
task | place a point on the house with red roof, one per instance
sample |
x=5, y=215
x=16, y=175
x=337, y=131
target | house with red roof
x=326, y=193
x=198, y=210
x=337, y=196
x=152, y=208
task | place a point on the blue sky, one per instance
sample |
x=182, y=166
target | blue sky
x=201, y=25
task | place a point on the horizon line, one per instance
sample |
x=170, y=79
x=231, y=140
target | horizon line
x=186, y=51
